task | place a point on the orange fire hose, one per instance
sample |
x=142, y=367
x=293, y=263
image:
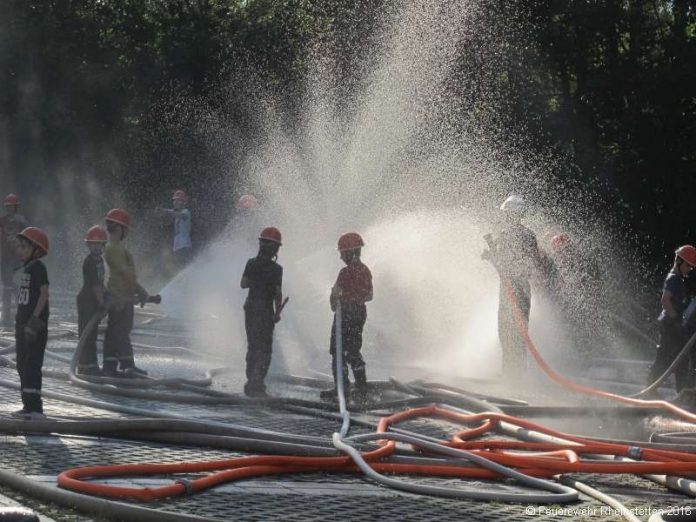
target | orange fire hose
x=546, y=460
x=532, y=458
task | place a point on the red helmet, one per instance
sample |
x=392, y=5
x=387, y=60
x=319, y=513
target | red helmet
x=180, y=195
x=11, y=200
x=271, y=234
x=350, y=241
x=246, y=202
x=118, y=216
x=560, y=242
x=96, y=234
x=687, y=253
x=37, y=237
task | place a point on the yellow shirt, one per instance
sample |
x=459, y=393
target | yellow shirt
x=122, y=281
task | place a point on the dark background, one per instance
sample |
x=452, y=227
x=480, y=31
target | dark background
x=87, y=90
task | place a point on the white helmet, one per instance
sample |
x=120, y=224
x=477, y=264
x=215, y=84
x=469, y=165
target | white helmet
x=513, y=203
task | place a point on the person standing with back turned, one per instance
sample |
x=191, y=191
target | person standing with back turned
x=263, y=276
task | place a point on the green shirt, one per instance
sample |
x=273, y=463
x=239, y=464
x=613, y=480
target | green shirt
x=122, y=282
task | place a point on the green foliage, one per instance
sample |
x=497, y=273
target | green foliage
x=87, y=85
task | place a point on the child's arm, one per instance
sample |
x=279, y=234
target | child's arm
x=99, y=294
x=43, y=299
x=666, y=302
x=278, y=300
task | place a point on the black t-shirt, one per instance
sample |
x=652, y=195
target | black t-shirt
x=674, y=284
x=92, y=275
x=33, y=278
x=264, y=276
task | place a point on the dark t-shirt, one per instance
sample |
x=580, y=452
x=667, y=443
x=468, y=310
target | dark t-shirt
x=33, y=278
x=517, y=252
x=674, y=284
x=92, y=275
x=264, y=276
x=355, y=282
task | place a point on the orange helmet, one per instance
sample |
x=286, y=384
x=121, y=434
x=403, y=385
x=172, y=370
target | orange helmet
x=37, y=237
x=271, y=234
x=118, y=216
x=687, y=253
x=180, y=195
x=560, y=242
x=11, y=200
x=350, y=241
x=96, y=234
x=247, y=202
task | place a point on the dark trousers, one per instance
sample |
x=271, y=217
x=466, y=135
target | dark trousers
x=7, y=269
x=117, y=343
x=511, y=340
x=30, y=358
x=86, y=309
x=259, y=327
x=353, y=319
x=182, y=257
x=672, y=340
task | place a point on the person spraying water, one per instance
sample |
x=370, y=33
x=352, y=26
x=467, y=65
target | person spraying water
x=263, y=277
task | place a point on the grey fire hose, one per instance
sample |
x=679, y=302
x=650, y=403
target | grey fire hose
x=559, y=494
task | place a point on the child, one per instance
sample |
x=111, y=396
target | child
x=123, y=288
x=264, y=279
x=90, y=300
x=353, y=289
x=31, y=331
x=11, y=224
x=182, y=247
x=672, y=338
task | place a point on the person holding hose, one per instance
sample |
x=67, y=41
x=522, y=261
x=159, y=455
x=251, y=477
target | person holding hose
x=672, y=335
x=90, y=300
x=353, y=288
x=31, y=331
x=11, y=224
x=123, y=289
x=263, y=276
x=515, y=255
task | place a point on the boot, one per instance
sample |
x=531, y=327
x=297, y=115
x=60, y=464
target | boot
x=332, y=394
x=360, y=394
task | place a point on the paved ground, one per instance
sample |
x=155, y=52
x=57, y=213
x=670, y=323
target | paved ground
x=296, y=497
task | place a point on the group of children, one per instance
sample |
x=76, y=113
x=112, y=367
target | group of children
x=263, y=276
x=514, y=253
x=115, y=297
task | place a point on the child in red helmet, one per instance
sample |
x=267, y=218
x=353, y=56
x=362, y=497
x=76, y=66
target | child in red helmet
x=124, y=291
x=90, y=300
x=672, y=337
x=11, y=224
x=31, y=332
x=264, y=279
x=353, y=288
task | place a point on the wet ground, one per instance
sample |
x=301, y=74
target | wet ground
x=41, y=457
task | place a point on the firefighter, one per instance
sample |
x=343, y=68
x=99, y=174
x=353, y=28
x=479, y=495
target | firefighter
x=515, y=255
x=11, y=224
x=183, y=247
x=263, y=276
x=672, y=336
x=31, y=331
x=90, y=300
x=124, y=291
x=353, y=288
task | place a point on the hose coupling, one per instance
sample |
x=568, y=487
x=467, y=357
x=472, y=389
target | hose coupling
x=188, y=485
x=635, y=453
